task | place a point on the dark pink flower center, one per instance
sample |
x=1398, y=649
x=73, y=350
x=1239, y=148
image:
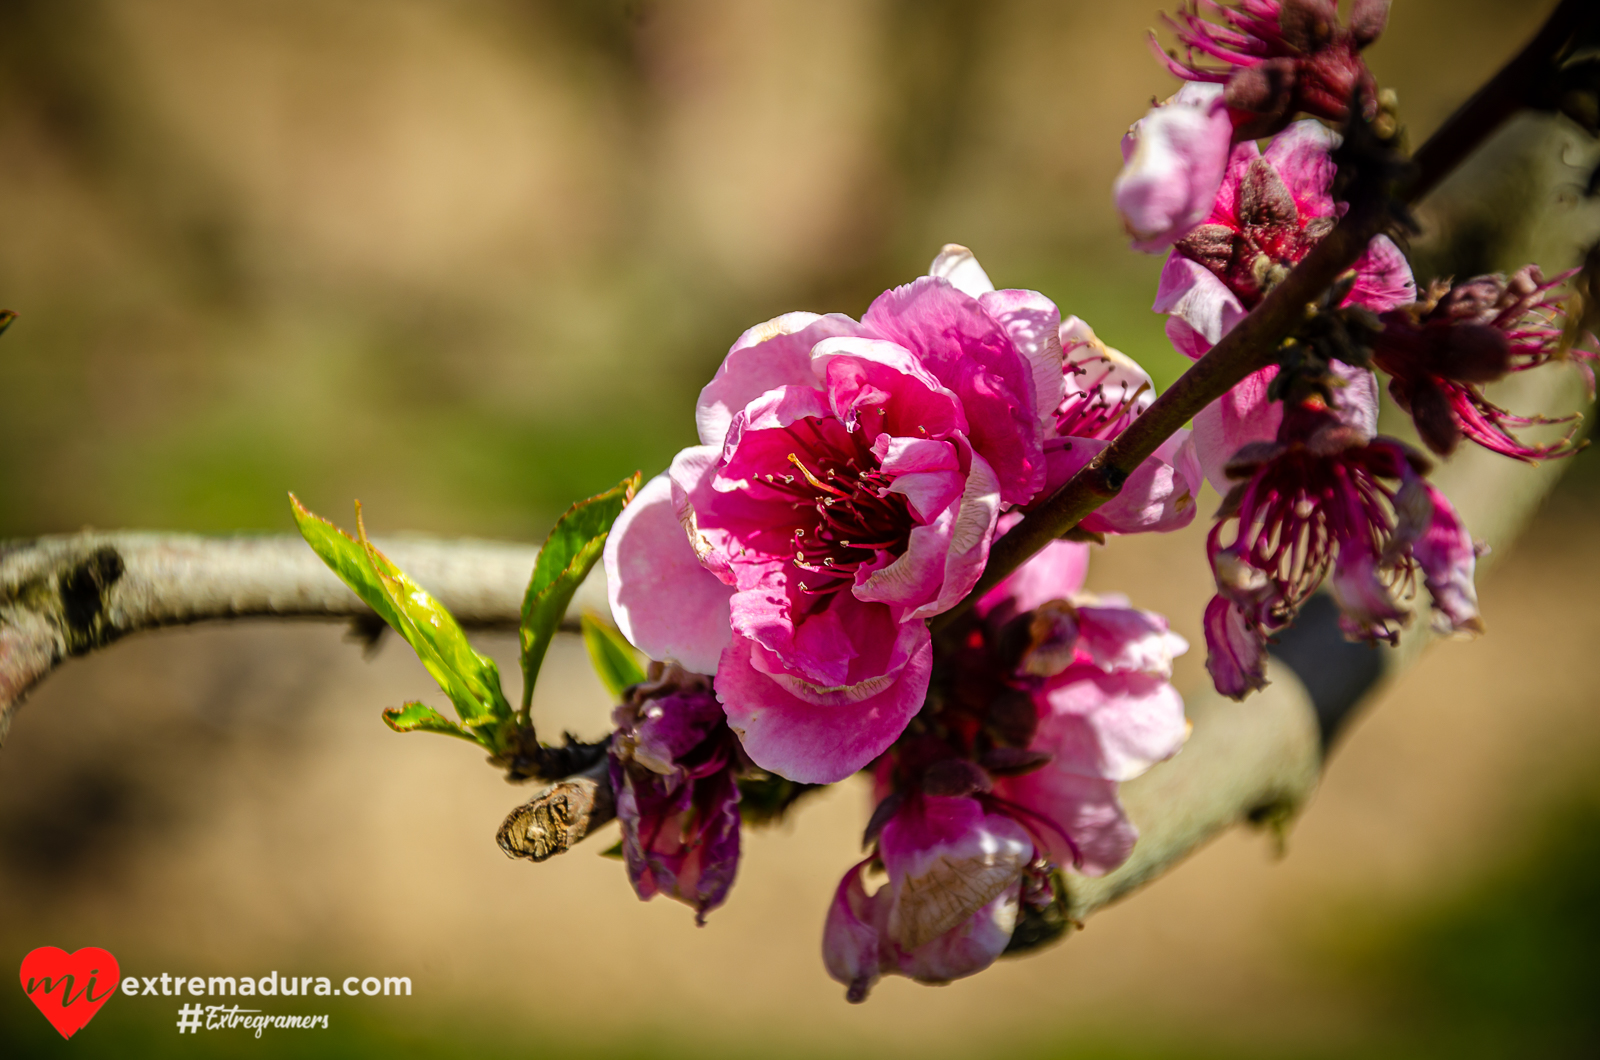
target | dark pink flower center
x=1296, y=513
x=852, y=516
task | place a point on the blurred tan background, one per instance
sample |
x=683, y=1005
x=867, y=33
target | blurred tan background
x=471, y=260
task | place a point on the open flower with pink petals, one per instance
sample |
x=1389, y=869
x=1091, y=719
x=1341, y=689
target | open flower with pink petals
x=1104, y=391
x=1270, y=210
x=1318, y=504
x=847, y=489
x=1096, y=672
x=1051, y=698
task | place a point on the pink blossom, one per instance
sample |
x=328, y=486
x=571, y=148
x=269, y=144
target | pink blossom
x=1245, y=415
x=1316, y=503
x=1103, y=392
x=949, y=905
x=1278, y=58
x=1096, y=706
x=1440, y=351
x=846, y=490
x=1271, y=209
x=1048, y=700
x=672, y=763
x=1173, y=160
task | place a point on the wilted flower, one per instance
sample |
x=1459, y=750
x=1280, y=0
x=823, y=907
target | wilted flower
x=1278, y=59
x=673, y=766
x=1318, y=502
x=1440, y=351
x=1172, y=164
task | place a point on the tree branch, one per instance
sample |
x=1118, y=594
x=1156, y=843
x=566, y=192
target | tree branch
x=1253, y=343
x=69, y=595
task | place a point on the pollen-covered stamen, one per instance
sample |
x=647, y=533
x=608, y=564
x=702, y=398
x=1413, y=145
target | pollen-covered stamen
x=845, y=514
x=1094, y=413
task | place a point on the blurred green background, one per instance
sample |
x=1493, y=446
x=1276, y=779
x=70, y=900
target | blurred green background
x=468, y=260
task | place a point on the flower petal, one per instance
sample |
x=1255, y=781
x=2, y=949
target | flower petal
x=1111, y=726
x=1236, y=654
x=662, y=599
x=764, y=358
x=1195, y=296
x=830, y=733
x=955, y=339
x=1383, y=278
x=1127, y=639
x=1302, y=156
x=1173, y=163
x=1033, y=323
x=946, y=859
x=1236, y=419
x=1082, y=808
x=850, y=948
x=960, y=266
x=1448, y=558
x=1055, y=572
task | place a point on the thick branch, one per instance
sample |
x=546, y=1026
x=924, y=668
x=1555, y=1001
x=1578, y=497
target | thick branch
x=68, y=595
x=1254, y=342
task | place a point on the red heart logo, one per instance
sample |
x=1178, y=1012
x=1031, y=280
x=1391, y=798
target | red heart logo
x=67, y=987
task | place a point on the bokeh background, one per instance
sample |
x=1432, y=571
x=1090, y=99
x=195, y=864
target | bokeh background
x=469, y=260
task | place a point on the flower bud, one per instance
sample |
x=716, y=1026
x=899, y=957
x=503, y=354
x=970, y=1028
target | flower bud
x=673, y=765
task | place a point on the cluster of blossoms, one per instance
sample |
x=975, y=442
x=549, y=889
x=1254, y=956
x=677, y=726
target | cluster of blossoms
x=1310, y=491
x=852, y=476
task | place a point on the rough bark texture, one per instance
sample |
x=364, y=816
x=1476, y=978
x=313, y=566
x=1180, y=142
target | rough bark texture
x=69, y=595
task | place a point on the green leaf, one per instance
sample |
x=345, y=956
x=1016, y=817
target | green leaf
x=470, y=680
x=614, y=851
x=419, y=717
x=611, y=654
x=569, y=553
